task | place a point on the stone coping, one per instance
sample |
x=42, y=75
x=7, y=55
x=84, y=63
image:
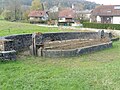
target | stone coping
x=5, y=40
x=7, y=51
x=77, y=51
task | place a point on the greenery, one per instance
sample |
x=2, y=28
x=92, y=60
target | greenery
x=101, y=26
x=95, y=71
x=18, y=10
x=1, y=17
x=36, y=5
x=7, y=14
x=51, y=3
x=12, y=10
x=8, y=28
x=68, y=3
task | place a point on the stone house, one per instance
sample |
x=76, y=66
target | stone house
x=106, y=14
x=66, y=17
x=38, y=16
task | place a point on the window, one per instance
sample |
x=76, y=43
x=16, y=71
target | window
x=117, y=7
x=109, y=11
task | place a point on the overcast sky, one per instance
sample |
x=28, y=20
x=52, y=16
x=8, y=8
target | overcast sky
x=107, y=2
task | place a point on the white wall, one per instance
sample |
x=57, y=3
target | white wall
x=75, y=24
x=31, y=18
x=98, y=19
x=62, y=19
x=44, y=18
x=116, y=20
x=88, y=15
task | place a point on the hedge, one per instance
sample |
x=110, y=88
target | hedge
x=101, y=26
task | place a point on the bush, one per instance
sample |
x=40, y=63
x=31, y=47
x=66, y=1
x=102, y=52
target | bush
x=7, y=15
x=101, y=26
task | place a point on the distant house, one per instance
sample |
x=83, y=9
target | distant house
x=85, y=14
x=66, y=17
x=106, y=14
x=54, y=9
x=38, y=16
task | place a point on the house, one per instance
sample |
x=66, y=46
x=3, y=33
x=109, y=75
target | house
x=66, y=17
x=38, y=16
x=85, y=14
x=54, y=9
x=106, y=14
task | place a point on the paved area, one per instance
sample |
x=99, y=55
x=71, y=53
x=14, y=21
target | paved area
x=116, y=32
x=45, y=25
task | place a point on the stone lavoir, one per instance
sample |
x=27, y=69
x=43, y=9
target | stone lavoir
x=63, y=44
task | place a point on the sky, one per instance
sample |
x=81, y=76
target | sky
x=107, y=2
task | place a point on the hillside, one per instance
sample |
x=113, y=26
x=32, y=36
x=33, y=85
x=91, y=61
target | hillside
x=68, y=3
x=13, y=10
x=50, y=3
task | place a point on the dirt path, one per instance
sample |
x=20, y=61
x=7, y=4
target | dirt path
x=72, y=44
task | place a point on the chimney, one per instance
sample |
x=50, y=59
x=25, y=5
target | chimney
x=73, y=6
x=42, y=6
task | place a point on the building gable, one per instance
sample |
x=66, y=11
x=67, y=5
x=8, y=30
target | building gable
x=107, y=10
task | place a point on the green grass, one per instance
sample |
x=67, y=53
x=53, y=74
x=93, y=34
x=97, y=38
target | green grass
x=1, y=17
x=96, y=71
x=8, y=28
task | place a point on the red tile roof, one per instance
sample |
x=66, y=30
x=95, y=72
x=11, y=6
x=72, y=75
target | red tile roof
x=67, y=13
x=107, y=10
x=37, y=13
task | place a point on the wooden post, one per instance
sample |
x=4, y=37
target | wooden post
x=34, y=44
x=37, y=44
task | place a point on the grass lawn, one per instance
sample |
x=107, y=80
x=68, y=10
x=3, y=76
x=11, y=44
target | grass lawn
x=96, y=71
x=8, y=28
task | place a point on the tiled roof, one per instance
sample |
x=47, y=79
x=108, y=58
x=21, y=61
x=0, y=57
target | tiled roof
x=107, y=10
x=67, y=13
x=37, y=13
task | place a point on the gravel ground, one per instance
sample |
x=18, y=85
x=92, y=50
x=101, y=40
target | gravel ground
x=72, y=44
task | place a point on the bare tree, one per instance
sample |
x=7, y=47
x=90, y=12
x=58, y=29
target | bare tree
x=36, y=5
x=14, y=7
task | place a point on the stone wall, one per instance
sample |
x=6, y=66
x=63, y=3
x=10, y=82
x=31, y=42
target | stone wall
x=19, y=42
x=11, y=44
x=24, y=41
x=8, y=55
x=77, y=51
x=70, y=35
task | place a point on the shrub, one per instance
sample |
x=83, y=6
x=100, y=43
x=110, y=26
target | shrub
x=7, y=15
x=101, y=26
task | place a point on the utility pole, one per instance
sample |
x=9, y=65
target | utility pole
x=15, y=10
x=2, y=5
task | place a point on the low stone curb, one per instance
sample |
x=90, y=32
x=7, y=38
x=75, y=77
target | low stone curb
x=76, y=52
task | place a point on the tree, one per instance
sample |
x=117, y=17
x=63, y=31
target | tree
x=7, y=15
x=25, y=15
x=14, y=7
x=14, y=10
x=36, y=5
